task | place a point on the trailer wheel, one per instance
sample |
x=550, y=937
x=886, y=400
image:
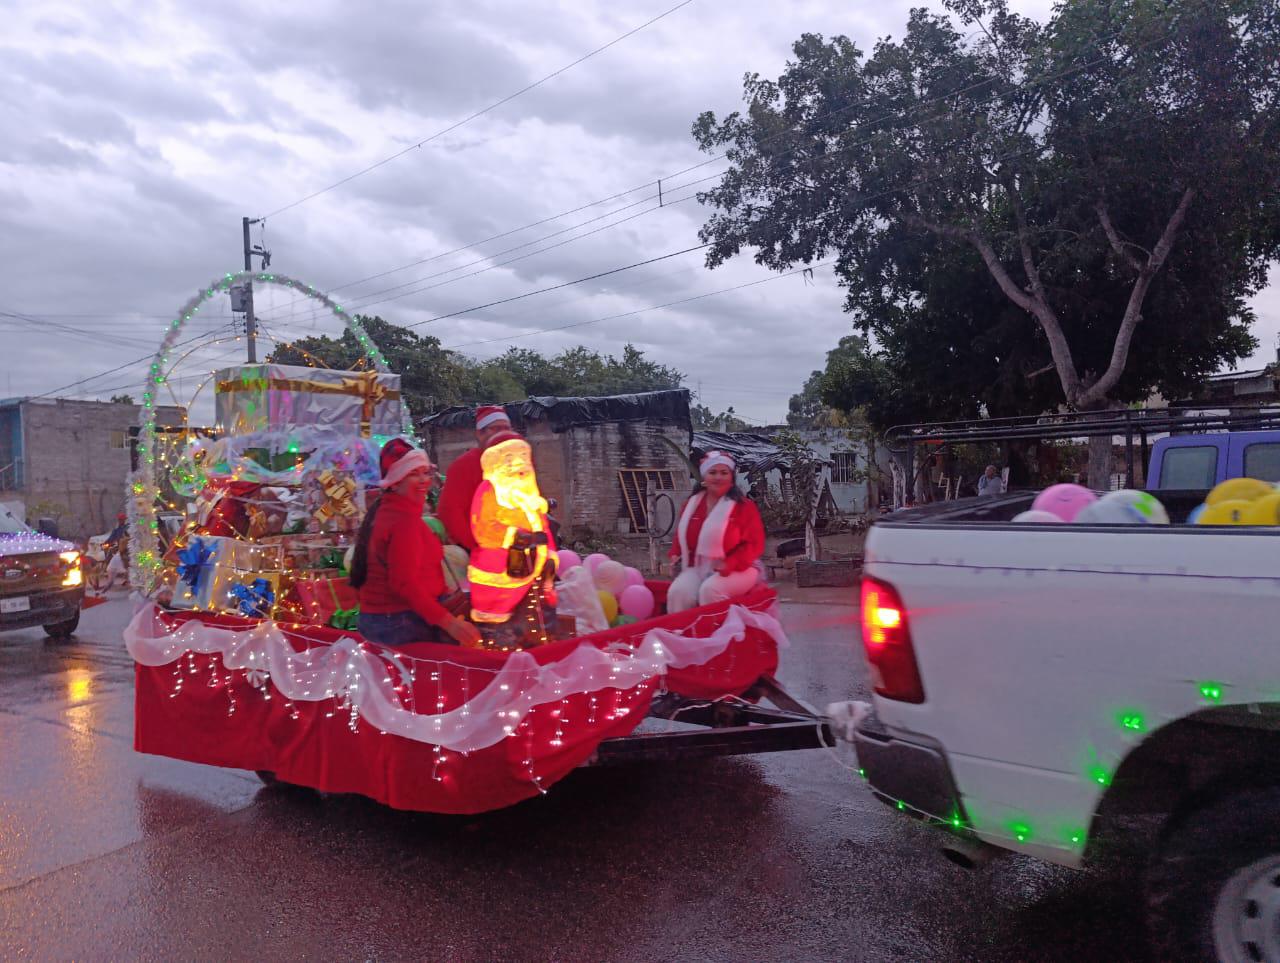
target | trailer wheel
x=65, y=629
x=1213, y=892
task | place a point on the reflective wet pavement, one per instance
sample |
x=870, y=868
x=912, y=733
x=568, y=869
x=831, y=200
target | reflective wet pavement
x=107, y=854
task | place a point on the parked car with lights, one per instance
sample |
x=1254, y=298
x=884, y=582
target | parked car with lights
x=1037, y=687
x=41, y=582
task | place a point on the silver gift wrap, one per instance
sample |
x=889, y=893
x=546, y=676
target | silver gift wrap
x=266, y=397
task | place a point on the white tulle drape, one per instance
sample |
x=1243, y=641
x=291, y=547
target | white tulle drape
x=357, y=673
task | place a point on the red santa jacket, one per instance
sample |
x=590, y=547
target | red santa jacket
x=743, y=536
x=404, y=571
x=454, y=508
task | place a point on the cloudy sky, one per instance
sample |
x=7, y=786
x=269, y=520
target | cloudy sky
x=137, y=135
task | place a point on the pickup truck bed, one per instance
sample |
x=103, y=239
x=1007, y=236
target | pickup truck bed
x=1048, y=653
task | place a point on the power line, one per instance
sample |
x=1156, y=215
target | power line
x=93, y=336
x=481, y=112
x=941, y=98
x=653, y=307
x=127, y=364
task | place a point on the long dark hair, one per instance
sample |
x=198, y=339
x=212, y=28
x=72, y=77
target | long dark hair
x=360, y=557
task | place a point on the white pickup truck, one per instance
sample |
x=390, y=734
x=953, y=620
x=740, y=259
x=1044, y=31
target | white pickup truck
x=1036, y=683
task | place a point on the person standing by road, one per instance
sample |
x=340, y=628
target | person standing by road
x=990, y=483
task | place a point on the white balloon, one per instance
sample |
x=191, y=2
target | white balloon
x=1129, y=506
x=1039, y=517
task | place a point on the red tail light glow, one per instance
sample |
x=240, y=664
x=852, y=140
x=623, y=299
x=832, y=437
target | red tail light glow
x=886, y=640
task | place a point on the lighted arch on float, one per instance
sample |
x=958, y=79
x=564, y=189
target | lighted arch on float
x=144, y=522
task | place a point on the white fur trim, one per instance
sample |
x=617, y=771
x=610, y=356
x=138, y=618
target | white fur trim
x=711, y=537
x=410, y=460
x=714, y=458
x=492, y=419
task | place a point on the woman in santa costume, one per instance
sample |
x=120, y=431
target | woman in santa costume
x=718, y=541
x=396, y=563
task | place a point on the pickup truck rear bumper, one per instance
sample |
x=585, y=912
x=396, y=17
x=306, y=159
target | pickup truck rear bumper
x=912, y=776
x=46, y=607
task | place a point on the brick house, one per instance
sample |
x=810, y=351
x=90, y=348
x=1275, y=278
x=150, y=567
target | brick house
x=69, y=459
x=597, y=457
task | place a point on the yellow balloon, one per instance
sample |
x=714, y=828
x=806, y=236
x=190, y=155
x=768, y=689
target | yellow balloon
x=1239, y=489
x=1232, y=512
x=1264, y=510
x=609, y=604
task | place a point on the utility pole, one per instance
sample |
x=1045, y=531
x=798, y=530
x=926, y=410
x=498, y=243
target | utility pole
x=250, y=323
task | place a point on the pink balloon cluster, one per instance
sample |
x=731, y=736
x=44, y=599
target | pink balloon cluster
x=1065, y=501
x=623, y=583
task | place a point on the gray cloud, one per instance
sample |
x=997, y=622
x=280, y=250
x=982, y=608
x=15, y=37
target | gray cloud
x=137, y=139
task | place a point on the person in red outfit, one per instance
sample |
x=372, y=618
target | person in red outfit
x=464, y=477
x=719, y=540
x=396, y=565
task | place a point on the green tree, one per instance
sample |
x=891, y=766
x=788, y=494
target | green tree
x=1094, y=197
x=432, y=377
x=122, y=399
x=704, y=419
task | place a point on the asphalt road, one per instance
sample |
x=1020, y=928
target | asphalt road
x=108, y=854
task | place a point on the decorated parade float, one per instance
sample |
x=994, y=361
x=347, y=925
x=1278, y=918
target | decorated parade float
x=247, y=648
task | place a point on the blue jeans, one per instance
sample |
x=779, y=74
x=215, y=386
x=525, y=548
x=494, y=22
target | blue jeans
x=400, y=628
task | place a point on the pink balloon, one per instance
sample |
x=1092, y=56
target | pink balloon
x=569, y=559
x=634, y=576
x=636, y=601
x=1065, y=500
x=592, y=561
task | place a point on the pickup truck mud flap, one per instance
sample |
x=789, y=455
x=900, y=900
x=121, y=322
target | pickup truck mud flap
x=912, y=776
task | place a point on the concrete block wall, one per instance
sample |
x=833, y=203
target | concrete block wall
x=71, y=461
x=596, y=452
x=579, y=467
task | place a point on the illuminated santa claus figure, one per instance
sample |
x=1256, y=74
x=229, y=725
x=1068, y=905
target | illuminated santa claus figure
x=513, y=538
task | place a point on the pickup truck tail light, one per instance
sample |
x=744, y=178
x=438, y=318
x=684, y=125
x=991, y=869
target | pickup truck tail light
x=886, y=639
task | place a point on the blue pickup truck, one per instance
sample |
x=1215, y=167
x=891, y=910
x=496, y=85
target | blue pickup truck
x=1202, y=461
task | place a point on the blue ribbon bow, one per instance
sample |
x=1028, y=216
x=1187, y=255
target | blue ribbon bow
x=193, y=560
x=256, y=599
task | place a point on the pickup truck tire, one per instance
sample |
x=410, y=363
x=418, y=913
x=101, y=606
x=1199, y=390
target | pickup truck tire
x=64, y=629
x=1213, y=891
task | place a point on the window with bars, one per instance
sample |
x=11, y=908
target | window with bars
x=636, y=484
x=844, y=470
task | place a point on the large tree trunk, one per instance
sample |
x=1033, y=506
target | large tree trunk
x=1100, y=463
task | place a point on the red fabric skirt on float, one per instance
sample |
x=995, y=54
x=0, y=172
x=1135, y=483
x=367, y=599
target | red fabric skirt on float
x=426, y=727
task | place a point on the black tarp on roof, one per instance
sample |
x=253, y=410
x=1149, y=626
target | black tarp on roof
x=663, y=407
x=752, y=452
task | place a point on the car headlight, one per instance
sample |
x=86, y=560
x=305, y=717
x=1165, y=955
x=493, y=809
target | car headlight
x=74, y=575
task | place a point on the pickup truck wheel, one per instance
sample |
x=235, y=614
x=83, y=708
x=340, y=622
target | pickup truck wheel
x=63, y=630
x=1214, y=891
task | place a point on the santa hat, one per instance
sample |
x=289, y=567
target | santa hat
x=714, y=458
x=487, y=415
x=398, y=459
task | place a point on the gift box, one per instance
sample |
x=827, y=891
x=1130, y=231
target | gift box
x=319, y=600
x=233, y=562
x=263, y=397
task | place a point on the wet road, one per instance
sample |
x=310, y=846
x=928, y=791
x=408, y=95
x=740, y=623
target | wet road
x=107, y=854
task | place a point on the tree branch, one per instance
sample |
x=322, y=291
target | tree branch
x=1039, y=371
x=1117, y=244
x=1034, y=304
x=1098, y=391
